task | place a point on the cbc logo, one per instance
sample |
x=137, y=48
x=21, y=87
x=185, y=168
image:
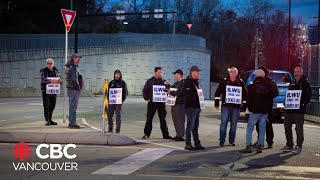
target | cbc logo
x=56, y=151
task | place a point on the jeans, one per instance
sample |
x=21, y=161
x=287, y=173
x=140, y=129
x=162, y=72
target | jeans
x=49, y=103
x=178, y=117
x=73, y=105
x=231, y=114
x=193, y=116
x=253, y=119
x=298, y=119
x=162, y=112
x=111, y=109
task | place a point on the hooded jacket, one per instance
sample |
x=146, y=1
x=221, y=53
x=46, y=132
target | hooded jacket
x=221, y=90
x=119, y=84
x=73, y=76
x=45, y=73
x=191, y=98
x=260, y=96
x=303, y=85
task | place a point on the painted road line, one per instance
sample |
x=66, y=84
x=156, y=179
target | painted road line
x=35, y=104
x=85, y=122
x=134, y=162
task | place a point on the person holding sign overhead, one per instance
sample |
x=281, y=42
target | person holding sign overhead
x=176, y=93
x=260, y=98
x=193, y=103
x=118, y=93
x=297, y=97
x=234, y=94
x=154, y=92
x=50, y=87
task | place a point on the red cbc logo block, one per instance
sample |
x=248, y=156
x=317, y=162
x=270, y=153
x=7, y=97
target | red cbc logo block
x=21, y=151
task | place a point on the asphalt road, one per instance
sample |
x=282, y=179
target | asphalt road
x=156, y=158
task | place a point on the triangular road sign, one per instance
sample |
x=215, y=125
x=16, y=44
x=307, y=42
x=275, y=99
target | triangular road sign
x=68, y=18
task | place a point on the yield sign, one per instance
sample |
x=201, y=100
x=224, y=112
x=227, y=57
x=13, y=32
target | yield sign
x=189, y=26
x=68, y=17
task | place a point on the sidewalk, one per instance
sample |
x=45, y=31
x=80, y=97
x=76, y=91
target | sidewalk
x=38, y=132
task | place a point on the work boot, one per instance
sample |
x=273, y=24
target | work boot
x=53, y=123
x=248, y=149
x=259, y=149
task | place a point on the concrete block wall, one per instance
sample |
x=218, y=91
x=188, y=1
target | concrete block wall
x=19, y=71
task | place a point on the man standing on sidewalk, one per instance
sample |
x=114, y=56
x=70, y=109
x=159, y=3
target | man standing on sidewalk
x=259, y=102
x=275, y=93
x=74, y=86
x=295, y=114
x=177, y=111
x=118, y=93
x=234, y=94
x=49, y=75
x=192, y=108
x=154, y=92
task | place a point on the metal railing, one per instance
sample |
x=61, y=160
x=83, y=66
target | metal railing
x=9, y=42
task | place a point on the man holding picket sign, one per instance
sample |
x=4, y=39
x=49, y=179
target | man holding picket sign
x=234, y=94
x=154, y=92
x=176, y=100
x=118, y=92
x=297, y=97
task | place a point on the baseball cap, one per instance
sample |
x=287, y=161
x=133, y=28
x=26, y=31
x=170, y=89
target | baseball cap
x=75, y=55
x=178, y=71
x=194, y=68
x=259, y=73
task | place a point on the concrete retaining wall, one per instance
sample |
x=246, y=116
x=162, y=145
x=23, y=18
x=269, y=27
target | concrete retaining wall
x=19, y=70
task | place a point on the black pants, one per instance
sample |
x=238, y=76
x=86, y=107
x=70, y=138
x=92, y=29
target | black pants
x=49, y=103
x=162, y=112
x=111, y=109
x=298, y=119
x=269, y=130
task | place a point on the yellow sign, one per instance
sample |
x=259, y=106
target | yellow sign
x=105, y=99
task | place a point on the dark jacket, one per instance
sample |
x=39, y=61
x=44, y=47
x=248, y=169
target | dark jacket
x=273, y=85
x=260, y=96
x=119, y=84
x=221, y=90
x=73, y=76
x=191, y=98
x=45, y=73
x=180, y=91
x=303, y=85
x=147, y=89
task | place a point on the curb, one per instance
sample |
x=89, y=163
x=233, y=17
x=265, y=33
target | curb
x=66, y=138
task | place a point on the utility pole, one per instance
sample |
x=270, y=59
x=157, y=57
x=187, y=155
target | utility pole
x=256, y=44
x=289, y=38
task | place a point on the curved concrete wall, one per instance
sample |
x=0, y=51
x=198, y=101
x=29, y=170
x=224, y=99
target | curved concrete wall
x=19, y=71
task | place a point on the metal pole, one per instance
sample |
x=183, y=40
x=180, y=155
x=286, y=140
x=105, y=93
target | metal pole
x=289, y=37
x=256, y=57
x=319, y=44
x=309, y=63
x=65, y=80
x=174, y=18
x=103, y=111
x=76, y=31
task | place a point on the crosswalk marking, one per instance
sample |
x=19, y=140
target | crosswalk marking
x=134, y=162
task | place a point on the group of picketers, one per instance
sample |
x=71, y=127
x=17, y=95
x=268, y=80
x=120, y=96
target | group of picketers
x=186, y=99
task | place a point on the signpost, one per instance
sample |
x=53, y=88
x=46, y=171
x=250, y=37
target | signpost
x=68, y=17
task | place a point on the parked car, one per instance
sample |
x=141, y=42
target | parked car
x=282, y=79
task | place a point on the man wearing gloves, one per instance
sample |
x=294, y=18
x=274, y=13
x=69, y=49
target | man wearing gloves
x=234, y=93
